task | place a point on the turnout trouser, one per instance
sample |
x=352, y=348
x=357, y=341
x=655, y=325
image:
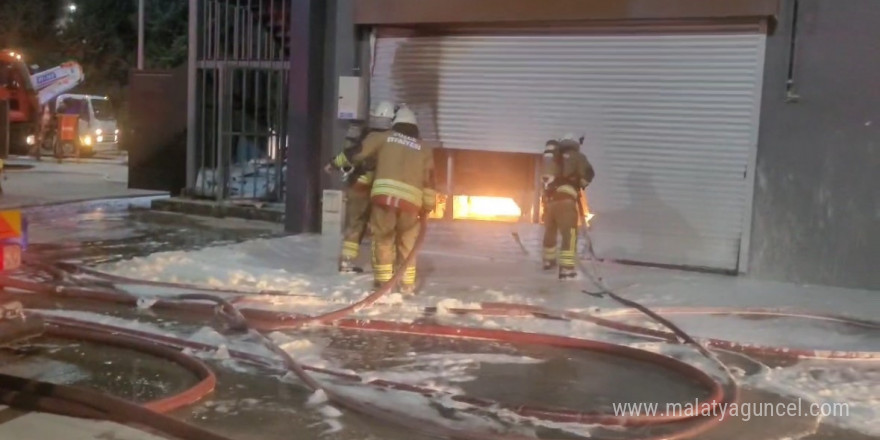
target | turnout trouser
x=394, y=236
x=561, y=217
x=357, y=217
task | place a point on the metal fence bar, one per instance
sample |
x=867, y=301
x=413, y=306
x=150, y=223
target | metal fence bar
x=236, y=115
x=228, y=83
x=236, y=41
x=281, y=99
x=220, y=177
x=271, y=122
x=191, y=91
x=262, y=97
x=209, y=153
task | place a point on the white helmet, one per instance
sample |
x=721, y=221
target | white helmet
x=405, y=116
x=384, y=109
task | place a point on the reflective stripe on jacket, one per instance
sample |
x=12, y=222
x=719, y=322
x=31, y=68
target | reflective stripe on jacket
x=404, y=171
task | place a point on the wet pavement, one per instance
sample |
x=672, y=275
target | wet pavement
x=112, y=230
x=256, y=403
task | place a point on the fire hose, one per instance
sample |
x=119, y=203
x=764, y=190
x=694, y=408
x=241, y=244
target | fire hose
x=29, y=394
x=518, y=310
x=366, y=408
x=79, y=402
x=239, y=321
x=34, y=395
x=245, y=320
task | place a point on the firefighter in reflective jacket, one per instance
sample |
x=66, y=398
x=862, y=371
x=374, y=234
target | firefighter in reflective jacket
x=403, y=190
x=566, y=171
x=358, y=181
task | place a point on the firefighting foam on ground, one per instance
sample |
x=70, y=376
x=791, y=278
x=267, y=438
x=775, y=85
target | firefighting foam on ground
x=510, y=371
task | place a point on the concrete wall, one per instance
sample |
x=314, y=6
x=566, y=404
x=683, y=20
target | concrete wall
x=155, y=136
x=817, y=195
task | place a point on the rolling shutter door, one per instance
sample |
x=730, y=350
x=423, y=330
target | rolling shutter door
x=670, y=118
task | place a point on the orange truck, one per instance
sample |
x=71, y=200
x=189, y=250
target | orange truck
x=27, y=93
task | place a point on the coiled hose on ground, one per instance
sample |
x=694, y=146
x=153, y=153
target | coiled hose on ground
x=254, y=321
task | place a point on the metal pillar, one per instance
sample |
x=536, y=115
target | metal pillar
x=191, y=96
x=301, y=209
x=140, y=46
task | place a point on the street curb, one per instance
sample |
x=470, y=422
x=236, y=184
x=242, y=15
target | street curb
x=200, y=208
x=103, y=160
x=84, y=200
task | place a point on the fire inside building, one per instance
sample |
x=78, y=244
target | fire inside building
x=673, y=98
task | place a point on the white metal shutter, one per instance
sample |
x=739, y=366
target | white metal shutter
x=670, y=119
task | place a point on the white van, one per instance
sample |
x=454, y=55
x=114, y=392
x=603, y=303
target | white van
x=97, y=128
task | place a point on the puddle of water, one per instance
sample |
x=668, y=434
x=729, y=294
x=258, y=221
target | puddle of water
x=110, y=231
x=522, y=374
x=120, y=372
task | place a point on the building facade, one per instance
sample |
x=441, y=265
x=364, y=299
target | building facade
x=708, y=122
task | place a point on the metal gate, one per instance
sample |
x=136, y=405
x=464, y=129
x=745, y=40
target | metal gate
x=240, y=114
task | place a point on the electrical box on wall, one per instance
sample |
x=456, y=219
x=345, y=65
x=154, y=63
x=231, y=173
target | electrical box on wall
x=351, y=98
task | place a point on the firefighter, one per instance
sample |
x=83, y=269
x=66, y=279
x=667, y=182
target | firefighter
x=358, y=181
x=403, y=191
x=566, y=171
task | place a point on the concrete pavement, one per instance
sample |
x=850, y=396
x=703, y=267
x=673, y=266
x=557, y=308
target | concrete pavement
x=28, y=182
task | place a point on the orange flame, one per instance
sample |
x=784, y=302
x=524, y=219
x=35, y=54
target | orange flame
x=485, y=208
x=479, y=208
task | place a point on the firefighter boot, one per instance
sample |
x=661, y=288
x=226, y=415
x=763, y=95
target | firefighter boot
x=407, y=289
x=567, y=273
x=347, y=266
x=549, y=257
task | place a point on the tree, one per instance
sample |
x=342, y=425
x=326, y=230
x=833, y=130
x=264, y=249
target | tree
x=31, y=27
x=101, y=37
x=166, y=29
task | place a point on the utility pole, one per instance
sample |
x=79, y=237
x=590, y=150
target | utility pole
x=140, y=55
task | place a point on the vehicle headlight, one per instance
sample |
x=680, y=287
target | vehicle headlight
x=100, y=139
x=117, y=131
x=99, y=132
x=31, y=140
x=87, y=140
